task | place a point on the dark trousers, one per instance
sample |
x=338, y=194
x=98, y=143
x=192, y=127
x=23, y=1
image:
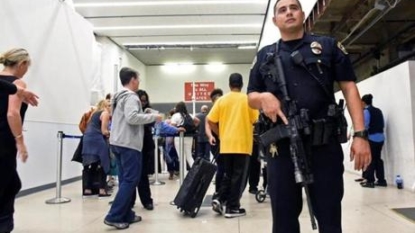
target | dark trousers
x=9, y=186
x=143, y=187
x=94, y=177
x=326, y=191
x=234, y=180
x=219, y=172
x=129, y=165
x=203, y=150
x=215, y=149
x=265, y=177
x=376, y=166
x=254, y=168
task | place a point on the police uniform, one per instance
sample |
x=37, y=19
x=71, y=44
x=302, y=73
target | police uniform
x=327, y=60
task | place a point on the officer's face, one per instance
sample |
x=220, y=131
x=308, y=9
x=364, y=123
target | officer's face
x=288, y=16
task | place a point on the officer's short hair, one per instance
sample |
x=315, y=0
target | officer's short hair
x=126, y=74
x=275, y=6
x=367, y=99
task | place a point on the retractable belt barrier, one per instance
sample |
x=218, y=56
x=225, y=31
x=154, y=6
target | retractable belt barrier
x=156, y=162
x=182, y=158
x=59, y=199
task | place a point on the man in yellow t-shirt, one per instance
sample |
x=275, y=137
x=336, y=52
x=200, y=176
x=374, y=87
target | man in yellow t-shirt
x=232, y=119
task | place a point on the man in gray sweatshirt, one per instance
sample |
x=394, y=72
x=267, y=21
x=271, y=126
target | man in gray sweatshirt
x=126, y=142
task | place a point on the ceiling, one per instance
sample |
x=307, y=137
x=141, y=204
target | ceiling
x=369, y=29
x=189, y=31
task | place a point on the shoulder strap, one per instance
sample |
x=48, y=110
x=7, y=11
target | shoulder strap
x=298, y=59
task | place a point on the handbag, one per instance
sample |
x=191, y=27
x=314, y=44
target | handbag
x=77, y=155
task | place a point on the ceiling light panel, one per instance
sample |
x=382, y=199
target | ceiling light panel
x=168, y=10
x=98, y=4
x=178, y=20
x=183, y=31
x=180, y=38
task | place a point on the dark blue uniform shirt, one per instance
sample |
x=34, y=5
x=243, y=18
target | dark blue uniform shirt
x=329, y=65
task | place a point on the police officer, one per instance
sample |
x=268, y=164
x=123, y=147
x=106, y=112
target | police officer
x=326, y=60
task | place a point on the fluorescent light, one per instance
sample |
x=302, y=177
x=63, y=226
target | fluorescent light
x=165, y=3
x=141, y=27
x=189, y=43
x=178, y=68
x=215, y=67
x=247, y=47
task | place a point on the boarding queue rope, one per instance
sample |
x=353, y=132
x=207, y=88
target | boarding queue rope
x=59, y=199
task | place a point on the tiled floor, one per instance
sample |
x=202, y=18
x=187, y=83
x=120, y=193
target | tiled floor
x=364, y=211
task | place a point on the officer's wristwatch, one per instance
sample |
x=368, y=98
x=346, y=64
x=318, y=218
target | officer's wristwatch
x=361, y=134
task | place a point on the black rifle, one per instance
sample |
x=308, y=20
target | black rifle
x=295, y=130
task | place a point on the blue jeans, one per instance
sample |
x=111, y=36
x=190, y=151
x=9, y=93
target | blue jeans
x=129, y=167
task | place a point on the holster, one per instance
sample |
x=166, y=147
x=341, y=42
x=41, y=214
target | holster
x=325, y=128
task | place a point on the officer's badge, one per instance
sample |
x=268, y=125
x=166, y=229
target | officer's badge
x=342, y=48
x=316, y=48
x=253, y=63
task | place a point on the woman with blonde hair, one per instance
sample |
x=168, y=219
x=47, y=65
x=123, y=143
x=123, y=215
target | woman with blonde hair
x=16, y=62
x=95, y=150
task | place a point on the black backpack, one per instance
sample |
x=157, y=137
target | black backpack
x=188, y=124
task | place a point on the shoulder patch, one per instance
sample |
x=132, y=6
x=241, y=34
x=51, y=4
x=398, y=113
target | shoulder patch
x=342, y=48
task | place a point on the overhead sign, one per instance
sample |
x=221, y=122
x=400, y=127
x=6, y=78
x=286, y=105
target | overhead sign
x=202, y=91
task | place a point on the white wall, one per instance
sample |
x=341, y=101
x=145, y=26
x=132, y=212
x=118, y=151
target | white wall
x=392, y=92
x=67, y=66
x=167, y=86
x=113, y=58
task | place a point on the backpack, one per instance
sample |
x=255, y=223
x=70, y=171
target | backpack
x=188, y=124
x=84, y=120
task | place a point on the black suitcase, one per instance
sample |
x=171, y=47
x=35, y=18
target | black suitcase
x=194, y=187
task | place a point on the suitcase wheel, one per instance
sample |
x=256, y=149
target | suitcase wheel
x=194, y=213
x=260, y=196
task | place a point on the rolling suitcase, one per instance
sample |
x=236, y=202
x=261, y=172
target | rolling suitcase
x=194, y=187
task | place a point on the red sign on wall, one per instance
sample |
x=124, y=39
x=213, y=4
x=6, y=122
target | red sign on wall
x=202, y=90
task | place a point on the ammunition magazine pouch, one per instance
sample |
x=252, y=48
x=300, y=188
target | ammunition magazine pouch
x=274, y=134
x=322, y=131
x=326, y=128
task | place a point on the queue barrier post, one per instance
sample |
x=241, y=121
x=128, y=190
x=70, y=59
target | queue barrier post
x=59, y=199
x=156, y=162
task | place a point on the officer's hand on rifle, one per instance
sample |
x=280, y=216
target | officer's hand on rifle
x=360, y=152
x=271, y=107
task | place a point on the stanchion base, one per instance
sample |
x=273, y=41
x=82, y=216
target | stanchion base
x=58, y=200
x=157, y=182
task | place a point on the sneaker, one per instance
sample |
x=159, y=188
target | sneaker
x=253, y=191
x=148, y=206
x=381, y=183
x=367, y=185
x=232, y=213
x=136, y=219
x=118, y=225
x=217, y=206
x=89, y=195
